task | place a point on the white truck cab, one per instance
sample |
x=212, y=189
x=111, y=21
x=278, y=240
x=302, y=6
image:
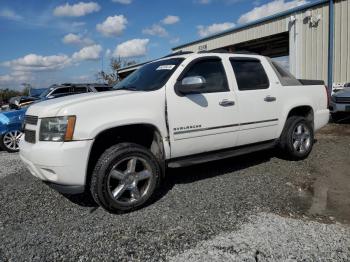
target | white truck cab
x=183, y=109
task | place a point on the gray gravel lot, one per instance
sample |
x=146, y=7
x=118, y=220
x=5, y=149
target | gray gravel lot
x=236, y=202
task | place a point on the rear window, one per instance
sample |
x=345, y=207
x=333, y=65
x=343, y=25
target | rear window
x=285, y=77
x=250, y=74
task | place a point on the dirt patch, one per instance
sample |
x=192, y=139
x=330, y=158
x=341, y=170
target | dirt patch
x=335, y=130
x=331, y=191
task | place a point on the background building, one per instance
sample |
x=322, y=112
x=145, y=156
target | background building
x=314, y=38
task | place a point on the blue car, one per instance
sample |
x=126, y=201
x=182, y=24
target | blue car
x=11, y=122
x=11, y=129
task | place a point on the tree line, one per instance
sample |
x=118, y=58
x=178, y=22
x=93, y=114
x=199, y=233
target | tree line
x=6, y=94
x=110, y=78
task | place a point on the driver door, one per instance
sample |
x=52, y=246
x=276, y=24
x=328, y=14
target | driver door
x=207, y=120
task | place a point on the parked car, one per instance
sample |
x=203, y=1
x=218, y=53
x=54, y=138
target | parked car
x=21, y=101
x=4, y=107
x=340, y=101
x=67, y=89
x=11, y=122
x=181, y=110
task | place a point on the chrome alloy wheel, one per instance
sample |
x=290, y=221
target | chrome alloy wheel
x=301, y=138
x=11, y=140
x=130, y=180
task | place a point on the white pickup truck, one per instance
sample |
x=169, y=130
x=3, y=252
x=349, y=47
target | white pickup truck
x=180, y=110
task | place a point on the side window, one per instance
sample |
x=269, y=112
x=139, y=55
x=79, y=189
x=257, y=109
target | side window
x=213, y=72
x=250, y=74
x=60, y=91
x=79, y=89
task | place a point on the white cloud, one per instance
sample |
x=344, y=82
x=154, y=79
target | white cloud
x=268, y=9
x=205, y=31
x=131, y=48
x=33, y=62
x=113, y=25
x=38, y=63
x=124, y=2
x=10, y=15
x=79, y=9
x=155, y=30
x=6, y=78
x=174, y=41
x=171, y=19
x=77, y=40
x=15, y=79
x=92, y=52
x=108, y=53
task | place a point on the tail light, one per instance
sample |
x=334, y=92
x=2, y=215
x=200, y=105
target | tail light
x=328, y=97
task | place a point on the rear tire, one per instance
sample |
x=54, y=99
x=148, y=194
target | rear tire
x=297, y=138
x=125, y=177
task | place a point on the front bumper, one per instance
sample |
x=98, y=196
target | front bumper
x=62, y=165
x=336, y=107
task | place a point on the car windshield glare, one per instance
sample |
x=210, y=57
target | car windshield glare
x=151, y=76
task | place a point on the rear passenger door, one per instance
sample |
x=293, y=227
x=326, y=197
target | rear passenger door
x=257, y=100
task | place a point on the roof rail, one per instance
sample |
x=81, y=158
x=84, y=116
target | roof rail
x=178, y=53
x=221, y=50
x=244, y=52
x=224, y=51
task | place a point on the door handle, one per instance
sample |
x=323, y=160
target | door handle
x=270, y=99
x=226, y=102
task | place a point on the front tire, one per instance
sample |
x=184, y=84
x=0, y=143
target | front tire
x=125, y=177
x=297, y=138
x=10, y=141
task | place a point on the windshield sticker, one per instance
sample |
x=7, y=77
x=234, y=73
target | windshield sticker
x=165, y=67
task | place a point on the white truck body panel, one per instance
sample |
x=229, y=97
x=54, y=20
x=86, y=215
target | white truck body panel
x=188, y=124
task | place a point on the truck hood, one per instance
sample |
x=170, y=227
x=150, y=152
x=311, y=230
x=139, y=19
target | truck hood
x=52, y=107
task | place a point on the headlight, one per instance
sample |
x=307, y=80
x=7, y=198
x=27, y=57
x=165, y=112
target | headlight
x=57, y=129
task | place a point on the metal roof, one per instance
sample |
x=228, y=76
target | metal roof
x=256, y=22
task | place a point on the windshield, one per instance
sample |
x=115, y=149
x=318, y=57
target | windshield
x=46, y=92
x=151, y=76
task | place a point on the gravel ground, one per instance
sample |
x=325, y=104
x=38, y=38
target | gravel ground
x=268, y=237
x=241, y=201
x=10, y=164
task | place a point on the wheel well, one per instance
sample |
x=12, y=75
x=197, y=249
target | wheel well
x=141, y=134
x=304, y=111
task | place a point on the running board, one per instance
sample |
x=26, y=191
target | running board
x=220, y=154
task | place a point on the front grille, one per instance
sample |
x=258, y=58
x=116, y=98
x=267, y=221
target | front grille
x=29, y=136
x=342, y=100
x=31, y=120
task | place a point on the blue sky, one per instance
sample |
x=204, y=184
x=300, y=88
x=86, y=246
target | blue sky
x=46, y=42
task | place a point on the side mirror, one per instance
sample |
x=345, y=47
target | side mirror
x=190, y=85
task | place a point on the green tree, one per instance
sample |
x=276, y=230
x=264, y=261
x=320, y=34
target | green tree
x=115, y=64
x=6, y=94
